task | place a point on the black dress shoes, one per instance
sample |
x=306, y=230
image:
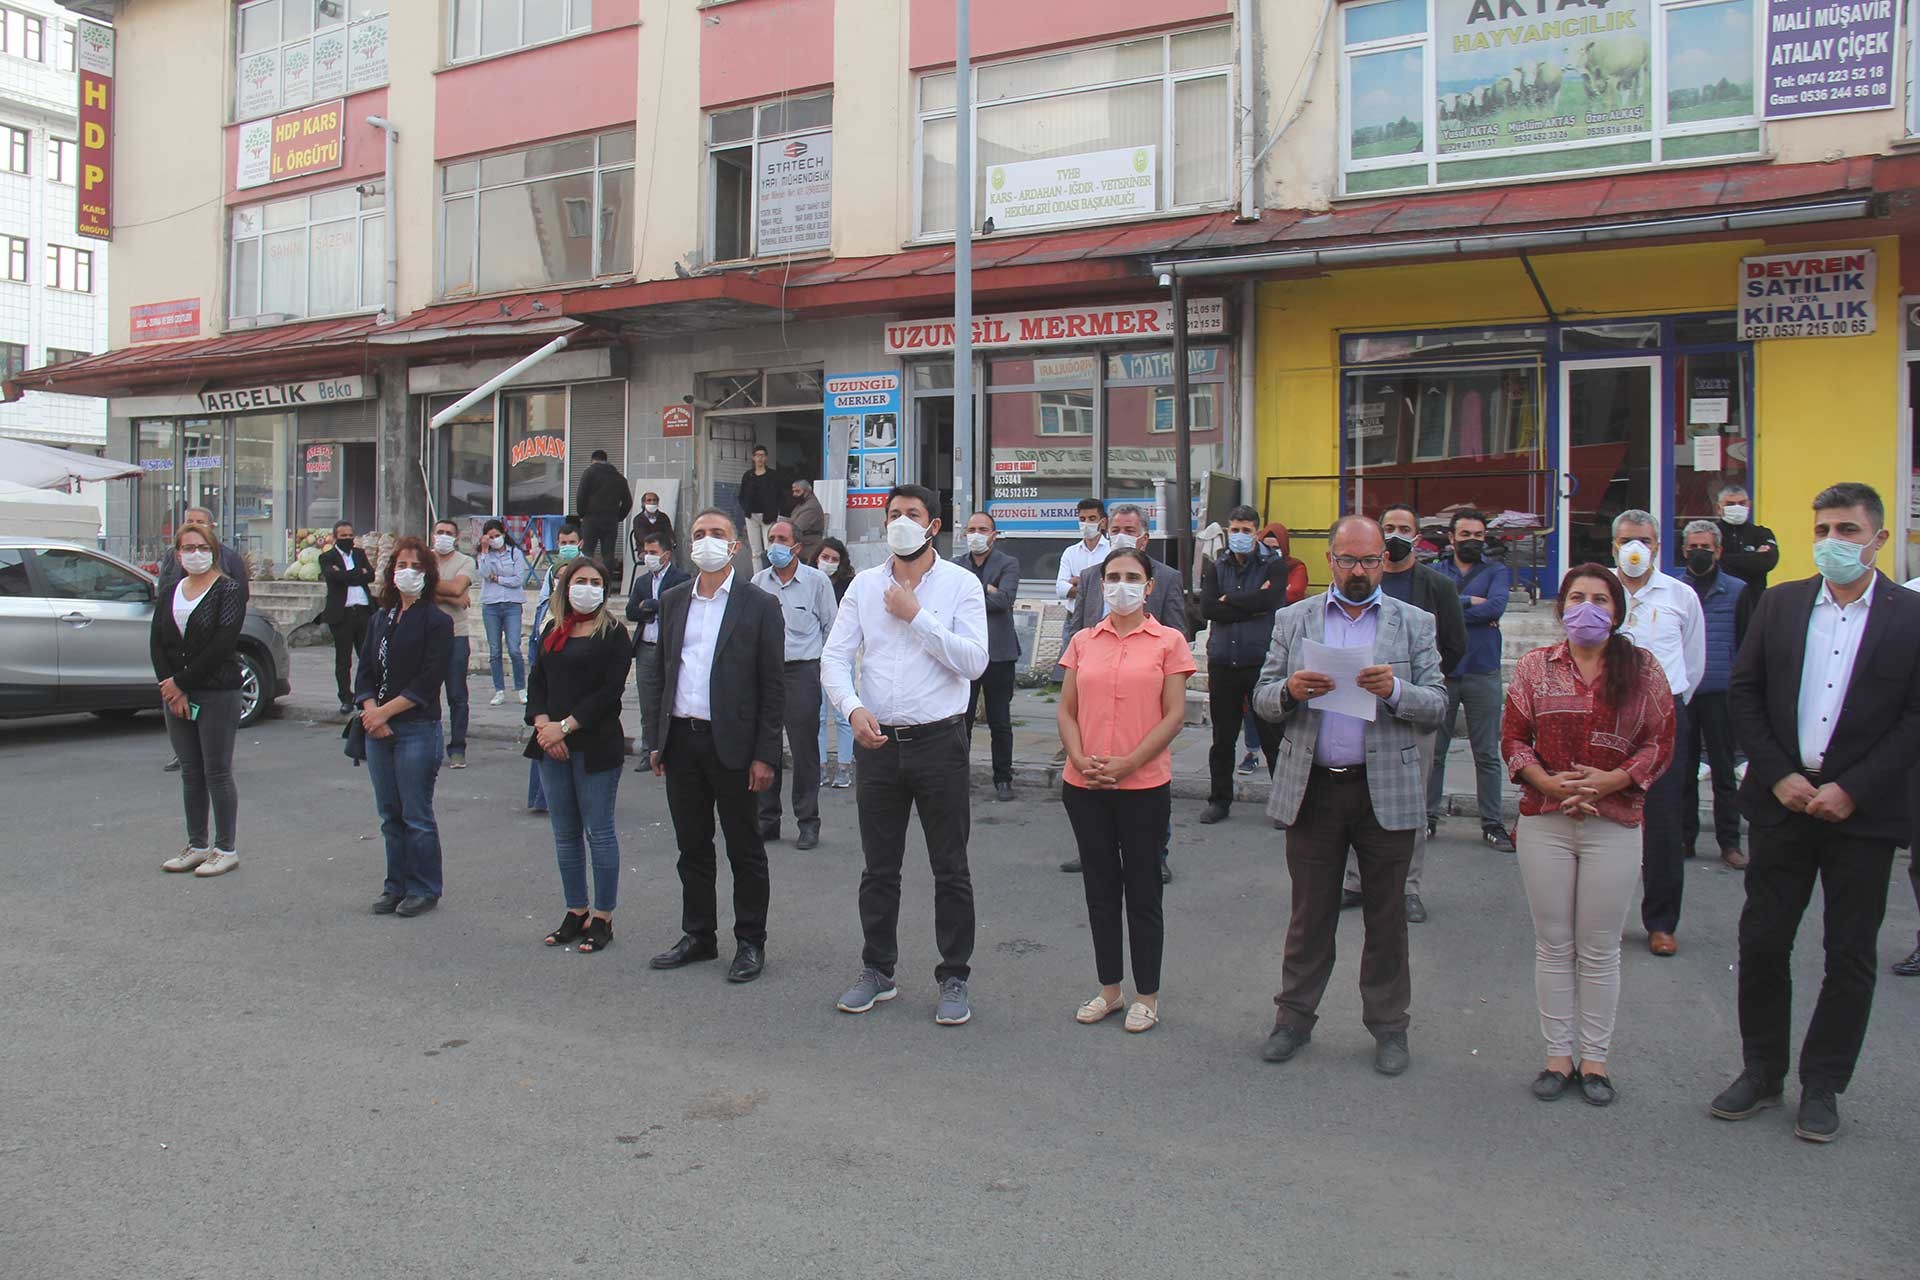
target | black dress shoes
x=1003, y=791
x=748, y=961
x=809, y=838
x=1285, y=1042
x=1215, y=813
x=685, y=952
x=415, y=905
x=1748, y=1096
x=1390, y=1056
x=1819, y=1119
x=1910, y=967
x=384, y=904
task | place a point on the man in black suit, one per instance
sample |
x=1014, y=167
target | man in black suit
x=1826, y=703
x=348, y=574
x=654, y=576
x=719, y=688
x=999, y=575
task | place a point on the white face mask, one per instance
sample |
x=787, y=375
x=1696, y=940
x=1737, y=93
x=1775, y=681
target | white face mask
x=196, y=561
x=710, y=555
x=653, y=508
x=1122, y=541
x=1736, y=514
x=977, y=543
x=1124, y=597
x=585, y=597
x=652, y=562
x=828, y=565
x=443, y=543
x=1634, y=559
x=1089, y=530
x=496, y=542
x=906, y=537
x=410, y=582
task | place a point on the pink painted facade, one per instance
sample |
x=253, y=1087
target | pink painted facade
x=365, y=154
x=762, y=48
x=549, y=91
x=1003, y=27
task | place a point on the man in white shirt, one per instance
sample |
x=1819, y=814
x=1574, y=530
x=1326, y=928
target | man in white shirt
x=348, y=609
x=1665, y=619
x=919, y=625
x=808, y=609
x=1083, y=555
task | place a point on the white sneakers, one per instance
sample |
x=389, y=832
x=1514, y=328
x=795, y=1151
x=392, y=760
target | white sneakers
x=202, y=862
x=522, y=695
x=187, y=860
x=499, y=698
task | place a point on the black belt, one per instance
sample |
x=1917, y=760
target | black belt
x=911, y=732
x=694, y=726
x=1340, y=773
x=802, y=662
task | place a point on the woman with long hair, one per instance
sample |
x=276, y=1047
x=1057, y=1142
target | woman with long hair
x=573, y=703
x=832, y=560
x=402, y=669
x=1587, y=729
x=193, y=641
x=503, y=590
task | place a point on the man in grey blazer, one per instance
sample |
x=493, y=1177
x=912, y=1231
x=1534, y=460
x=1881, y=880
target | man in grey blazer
x=1344, y=781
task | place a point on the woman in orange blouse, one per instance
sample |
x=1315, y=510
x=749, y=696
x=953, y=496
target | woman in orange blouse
x=1588, y=727
x=1124, y=699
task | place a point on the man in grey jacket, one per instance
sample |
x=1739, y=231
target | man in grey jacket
x=999, y=575
x=1350, y=780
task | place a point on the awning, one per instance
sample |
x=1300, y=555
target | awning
x=40, y=466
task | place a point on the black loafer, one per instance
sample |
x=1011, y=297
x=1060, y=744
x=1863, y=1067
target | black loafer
x=1390, y=1055
x=1285, y=1042
x=1597, y=1091
x=748, y=962
x=685, y=952
x=1551, y=1085
x=1416, y=909
x=809, y=838
x=1003, y=791
x=1910, y=967
x=415, y=905
x=1215, y=813
x=1819, y=1118
x=384, y=904
x=1748, y=1096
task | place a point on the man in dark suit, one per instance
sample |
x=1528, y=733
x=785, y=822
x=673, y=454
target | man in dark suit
x=603, y=500
x=1826, y=702
x=656, y=574
x=999, y=575
x=719, y=687
x=348, y=574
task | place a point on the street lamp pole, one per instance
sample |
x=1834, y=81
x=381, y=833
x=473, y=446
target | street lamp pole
x=963, y=424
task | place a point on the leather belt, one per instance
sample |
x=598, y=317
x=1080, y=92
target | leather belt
x=802, y=662
x=911, y=732
x=694, y=726
x=1341, y=773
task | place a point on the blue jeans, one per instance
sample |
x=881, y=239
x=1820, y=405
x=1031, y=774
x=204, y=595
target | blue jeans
x=404, y=768
x=502, y=623
x=457, y=694
x=580, y=806
x=843, y=748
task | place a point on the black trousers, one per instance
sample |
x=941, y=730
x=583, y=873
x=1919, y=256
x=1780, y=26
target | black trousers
x=1119, y=837
x=348, y=635
x=1663, y=868
x=698, y=786
x=997, y=683
x=600, y=536
x=1853, y=872
x=1709, y=728
x=802, y=715
x=929, y=773
x=1228, y=689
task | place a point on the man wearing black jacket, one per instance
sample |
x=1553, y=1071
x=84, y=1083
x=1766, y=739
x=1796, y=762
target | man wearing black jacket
x=999, y=575
x=760, y=494
x=603, y=501
x=1748, y=551
x=1239, y=593
x=348, y=574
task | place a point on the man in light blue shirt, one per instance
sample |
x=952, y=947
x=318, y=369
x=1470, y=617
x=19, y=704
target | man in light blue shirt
x=808, y=607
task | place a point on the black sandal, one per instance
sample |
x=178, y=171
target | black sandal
x=599, y=936
x=574, y=925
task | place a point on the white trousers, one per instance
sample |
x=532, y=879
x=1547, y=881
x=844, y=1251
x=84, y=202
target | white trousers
x=1580, y=878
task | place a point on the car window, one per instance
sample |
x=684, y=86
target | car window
x=13, y=572
x=75, y=575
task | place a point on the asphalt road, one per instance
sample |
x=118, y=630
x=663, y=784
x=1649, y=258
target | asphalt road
x=251, y=1077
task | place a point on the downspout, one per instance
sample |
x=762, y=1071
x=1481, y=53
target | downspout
x=390, y=309
x=1249, y=189
x=1249, y=345
x=474, y=397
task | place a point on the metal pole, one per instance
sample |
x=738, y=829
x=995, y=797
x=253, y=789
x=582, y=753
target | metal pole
x=390, y=223
x=963, y=426
x=1180, y=508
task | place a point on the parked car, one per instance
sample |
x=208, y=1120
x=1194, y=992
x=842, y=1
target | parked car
x=73, y=636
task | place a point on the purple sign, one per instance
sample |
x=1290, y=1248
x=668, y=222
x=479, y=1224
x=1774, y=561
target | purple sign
x=1825, y=57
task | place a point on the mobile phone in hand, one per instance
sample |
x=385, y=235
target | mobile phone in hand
x=193, y=711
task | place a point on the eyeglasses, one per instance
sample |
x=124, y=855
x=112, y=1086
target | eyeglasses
x=1357, y=562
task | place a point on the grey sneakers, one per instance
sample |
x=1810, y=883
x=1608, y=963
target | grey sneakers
x=871, y=988
x=953, y=1010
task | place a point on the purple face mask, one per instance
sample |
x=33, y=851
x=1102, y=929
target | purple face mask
x=1588, y=625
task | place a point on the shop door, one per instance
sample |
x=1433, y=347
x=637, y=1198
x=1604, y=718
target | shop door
x=1609, y=449
x=933, y=451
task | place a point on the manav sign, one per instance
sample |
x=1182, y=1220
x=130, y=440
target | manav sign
x=1828, y=294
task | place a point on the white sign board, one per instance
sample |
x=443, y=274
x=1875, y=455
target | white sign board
x=1096, y=187
x=795, y=207
x=1206, y=317
x=1824, y=294
x=273, y=396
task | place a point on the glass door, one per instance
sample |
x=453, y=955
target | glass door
x=1609, y=450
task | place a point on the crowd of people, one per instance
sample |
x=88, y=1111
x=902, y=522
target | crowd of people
x=756, y=692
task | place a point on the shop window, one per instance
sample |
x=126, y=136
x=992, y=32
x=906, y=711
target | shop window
x=536, y=441
x=64, y=355
x=770, y=178
x=1029, y=399
x=18, y=141
x=16, y=265
x=547, y=215
x=63, y=59
x=1713, y=442
x=63, y=160
x=1140, y=421
x=69, y=268
x=13, y=358
x=1434, y=96
x=261, y=485
x=482, y=28
x=23, y=35
x=293, y=52
x=1147, y=124
x=463, y=460
x=317, y=255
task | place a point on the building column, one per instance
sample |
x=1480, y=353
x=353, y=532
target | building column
x=400, y=502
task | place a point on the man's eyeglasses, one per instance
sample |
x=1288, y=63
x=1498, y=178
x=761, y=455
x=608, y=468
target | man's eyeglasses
x=1350, y=563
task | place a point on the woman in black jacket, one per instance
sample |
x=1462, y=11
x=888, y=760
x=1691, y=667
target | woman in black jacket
x=196, y=626
x=402, y=668
x=573, y=703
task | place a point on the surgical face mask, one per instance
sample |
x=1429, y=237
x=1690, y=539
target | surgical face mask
x=1357, y=590
x=906, y=537
x=569, y=551
x=1124, y=597
x=196, y=561
x=1634, y=559
x=710, y=555
x=1839, y=561
x=779, y=554
x=443, y=544
x=1588, y=625
x=653, y=508
x=1089, y=530
x=828, y=565
x=1736, y=513
x=652, y=562
x=1399, y=547
x=410, y=582
x=496, y=542
x=585, y=597
x=1700, y=562
x=977, y=543
x=1240, y=542
x=1122, y=541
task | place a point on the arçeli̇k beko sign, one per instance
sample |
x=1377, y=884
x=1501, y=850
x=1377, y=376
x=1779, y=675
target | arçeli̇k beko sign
x=1827, y=293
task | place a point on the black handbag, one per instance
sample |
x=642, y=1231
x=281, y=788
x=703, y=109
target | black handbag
x=355, y=736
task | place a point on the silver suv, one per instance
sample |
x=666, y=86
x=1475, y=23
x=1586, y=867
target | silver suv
x=74, y=626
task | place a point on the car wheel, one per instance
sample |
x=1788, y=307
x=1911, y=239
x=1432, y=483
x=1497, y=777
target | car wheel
x=117, y=714
x=254, y=683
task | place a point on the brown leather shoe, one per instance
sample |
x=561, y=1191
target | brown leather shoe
x=1662, y=944
x=1734, y=858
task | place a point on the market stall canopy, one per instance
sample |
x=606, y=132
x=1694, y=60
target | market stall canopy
x=26, y=512
x=37, y=466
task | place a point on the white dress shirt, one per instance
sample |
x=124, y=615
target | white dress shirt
x=355, y=595
x=1076, y=560
x=693, y=690
x=1833, y=642
x=1664, y=618
x=910, y=673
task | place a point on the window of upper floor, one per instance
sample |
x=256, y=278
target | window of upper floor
x=65, y=355
x=15, y=264
x=19, y=141
x=770, y=178
x=69, y=268
x=322, y=254
x=63, y=160
x=1440, y=92
x=13, y=358
x=1113, y=131
x=293, y=52
x=546, y=215
x=23, y=35
x=63, y=48
x=483, y=28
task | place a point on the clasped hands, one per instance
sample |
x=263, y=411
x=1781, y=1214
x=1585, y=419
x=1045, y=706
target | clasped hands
x=1577, y=791
x=1103, y=773
x=1826, y=802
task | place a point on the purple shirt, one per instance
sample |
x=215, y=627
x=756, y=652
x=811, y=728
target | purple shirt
x=1342, y=741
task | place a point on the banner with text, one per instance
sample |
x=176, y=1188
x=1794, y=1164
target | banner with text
x=292, y=145
x=93, y=53
x=1124, y=322
x=795, y=208
x=863, y=422
x=1095, y=187
x=1824, y=58
x=1828, y=294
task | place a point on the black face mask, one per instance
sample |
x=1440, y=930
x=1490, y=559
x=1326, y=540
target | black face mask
x=1470, y=552
x=1398, y=548
x=345, y=544
x=1700, y=563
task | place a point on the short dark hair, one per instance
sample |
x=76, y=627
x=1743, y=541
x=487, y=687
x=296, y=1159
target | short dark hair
x=1090, y=504
x=704, y=512
x=988, y=515
x=599, y=455
x=448, y=521
x=1128, y=553
x=1851, y=493
x=571, y=526
x=1465, y=513
x=1392, y=507
x=338, y=525
x=919, y=493
x=659, y=540
x=759, y=448
x=1243, y=512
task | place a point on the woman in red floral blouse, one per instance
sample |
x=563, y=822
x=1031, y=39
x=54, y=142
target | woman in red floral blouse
x=1588, y=727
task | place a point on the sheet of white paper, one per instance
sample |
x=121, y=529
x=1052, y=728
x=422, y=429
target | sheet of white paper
x=1343, y=667
x=1706, y=453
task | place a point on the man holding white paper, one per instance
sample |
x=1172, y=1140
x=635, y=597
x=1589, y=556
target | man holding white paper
x=1350, y=780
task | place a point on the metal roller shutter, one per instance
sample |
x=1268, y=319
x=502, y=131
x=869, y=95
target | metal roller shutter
x=596, y=419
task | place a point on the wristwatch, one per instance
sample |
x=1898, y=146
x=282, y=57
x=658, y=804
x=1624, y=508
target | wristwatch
x=567, y=726
x=1287, y=701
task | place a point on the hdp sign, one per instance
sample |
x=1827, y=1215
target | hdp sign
x=94, y=207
